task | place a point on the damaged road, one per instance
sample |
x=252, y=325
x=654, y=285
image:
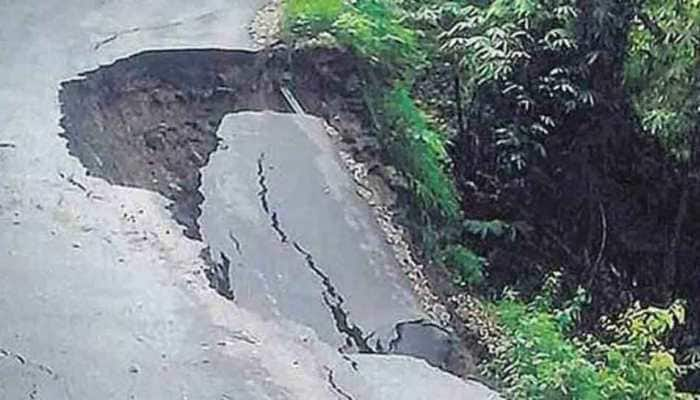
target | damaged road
x=158, y=243
x=307, y=248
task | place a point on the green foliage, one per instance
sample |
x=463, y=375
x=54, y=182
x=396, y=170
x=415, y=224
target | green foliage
x=311, y=17
x=541, y=360
x=661, y=69
x=637, y=364
x=528, y=52
x=486, y=229
x=374, y=30
x=468, y=264
x=371, y=28
x=538, y=361
x=517, y=57
x=418, y=150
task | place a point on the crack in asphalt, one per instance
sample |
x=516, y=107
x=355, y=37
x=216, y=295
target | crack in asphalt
x=70, y=179
x=34, y=392
x=394, y=341
x=276, y=226
x=74, y=182
x=115, y=35
x=334, y=301
x=398, y=329
x=354, y=335
x=262, y=194
x=236, y=242
x=243, y=337
x=355, y=366
x=108, y=39
x=218, y=274
x=337, y=389
x=264, y=202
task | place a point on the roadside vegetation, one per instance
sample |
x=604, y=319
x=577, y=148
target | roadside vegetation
x=550, y=149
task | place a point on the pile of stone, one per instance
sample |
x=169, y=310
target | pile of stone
x=266, y=27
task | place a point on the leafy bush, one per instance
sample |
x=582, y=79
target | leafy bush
x=486, y=229
x=311, y=17
x=660, y=70
x=419, y=152
x=517, y=58
x=541, y=360
x=370, y=28
x=374, y=31
x=468, y=264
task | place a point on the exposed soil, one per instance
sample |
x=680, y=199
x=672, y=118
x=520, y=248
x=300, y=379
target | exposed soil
x=150, y=120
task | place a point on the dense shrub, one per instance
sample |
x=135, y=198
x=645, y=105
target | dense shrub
x=661, y=71
x=369, y=27
x=468, y=265
x=311, y=17
x=540, y=359
x=418, y=150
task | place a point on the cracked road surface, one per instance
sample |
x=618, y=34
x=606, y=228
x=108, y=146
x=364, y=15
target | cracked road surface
x=306, y=247
x=103, y=297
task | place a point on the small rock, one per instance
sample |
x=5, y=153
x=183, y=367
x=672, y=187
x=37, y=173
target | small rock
x=364, y=193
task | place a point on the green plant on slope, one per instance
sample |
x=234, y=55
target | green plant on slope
x=517, y=59
x=468, y=264
x=488, y=229
x=310, y=17
x=662, y=68
x=419, y=152
x=371, y=28
x=374, y=30
x=541, y=360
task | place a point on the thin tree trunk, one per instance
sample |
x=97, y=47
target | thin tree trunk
x=458, y=104
x=671, y=259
